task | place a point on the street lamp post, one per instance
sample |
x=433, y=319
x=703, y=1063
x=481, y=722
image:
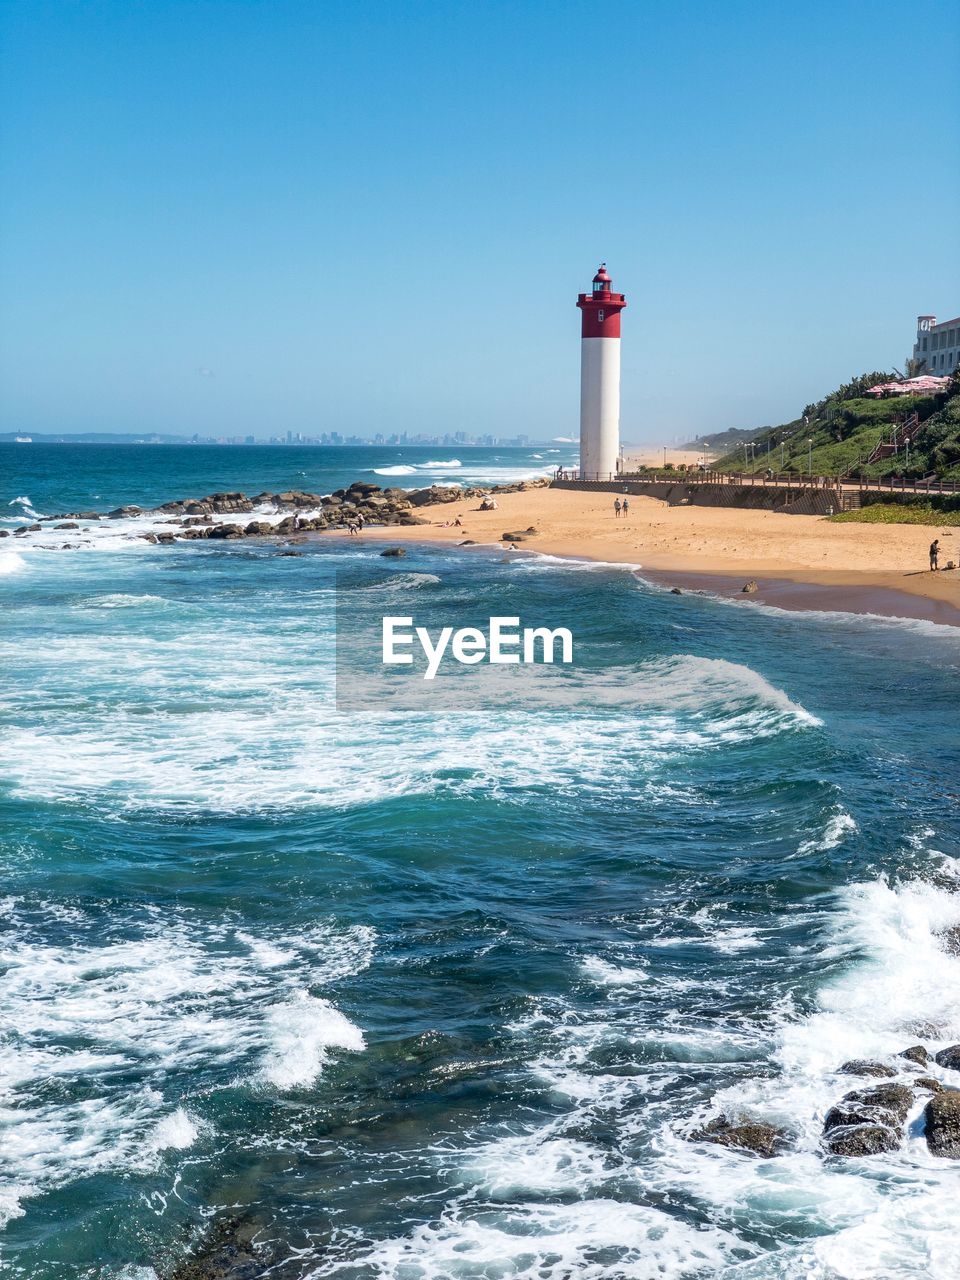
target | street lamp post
x=906, y=441
x=810, y=455
x=783, y=441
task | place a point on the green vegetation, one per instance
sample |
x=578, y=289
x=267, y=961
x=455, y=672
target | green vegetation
x=726, y=440
x=897, y=513
x=836, y=435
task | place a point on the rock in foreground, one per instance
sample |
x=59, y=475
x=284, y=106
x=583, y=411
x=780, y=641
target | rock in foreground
x=942, y=1116
x=863, y=1067
x=863, y=1140
x=754, y=1137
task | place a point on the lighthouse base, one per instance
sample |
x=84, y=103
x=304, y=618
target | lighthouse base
x=599, y=408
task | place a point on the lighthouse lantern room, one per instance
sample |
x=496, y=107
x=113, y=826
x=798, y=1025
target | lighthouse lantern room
x=600, y=379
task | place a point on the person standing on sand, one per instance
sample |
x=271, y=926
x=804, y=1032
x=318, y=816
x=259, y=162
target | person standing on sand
x=626, y=508
x=934, y=553
x=616, y=507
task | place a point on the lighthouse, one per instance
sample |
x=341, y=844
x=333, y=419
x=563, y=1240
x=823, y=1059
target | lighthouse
x=600, y=379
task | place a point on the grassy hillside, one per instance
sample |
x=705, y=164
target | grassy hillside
x=844, y=428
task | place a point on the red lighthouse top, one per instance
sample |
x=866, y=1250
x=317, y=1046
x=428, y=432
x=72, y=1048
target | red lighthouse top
x=601, y=308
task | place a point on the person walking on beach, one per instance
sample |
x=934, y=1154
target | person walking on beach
x=934, y=553
x=626, y=508
x=616, y=507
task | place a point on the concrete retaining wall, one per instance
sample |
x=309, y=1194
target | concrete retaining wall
x=788, y=500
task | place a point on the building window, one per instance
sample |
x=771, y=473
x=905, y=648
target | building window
x=600, y=315
x=924, y=346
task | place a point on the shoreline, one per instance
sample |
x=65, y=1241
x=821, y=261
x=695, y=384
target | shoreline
x=713, y=550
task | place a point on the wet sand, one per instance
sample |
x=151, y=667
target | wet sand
x=827, y=596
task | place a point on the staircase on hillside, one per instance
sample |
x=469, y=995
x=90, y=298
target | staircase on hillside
x=908, y=429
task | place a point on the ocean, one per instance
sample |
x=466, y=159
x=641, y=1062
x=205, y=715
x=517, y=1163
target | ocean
x=441, y=991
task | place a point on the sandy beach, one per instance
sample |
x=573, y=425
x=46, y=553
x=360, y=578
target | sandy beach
x=861, y=567
x=661, y=455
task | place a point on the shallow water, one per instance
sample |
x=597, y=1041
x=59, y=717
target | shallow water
x=441, y=992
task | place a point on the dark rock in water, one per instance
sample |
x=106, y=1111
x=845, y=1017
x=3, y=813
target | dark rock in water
x=753, y=1137
x=750, y=587
x=394, y=551
x=675, y=591
x=863, y=1140
x=4, y=533
x=88, y=515
x=863, y=1067
x=165, y=538
x=224, y=502
x=927, y=1082
x=226, y=1254
x=951, y=939
x=886, y=1104
x=67, y=524
x=948, y=1057
x=290, y=553
x=149, y=537
x=467, y=542
x=28, y=528
x=942, y=1117
x=916, y=1053
x=120, y=513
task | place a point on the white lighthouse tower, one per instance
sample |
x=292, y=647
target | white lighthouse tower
x=600, y=379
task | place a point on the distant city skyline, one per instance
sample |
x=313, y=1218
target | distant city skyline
x=243, y=220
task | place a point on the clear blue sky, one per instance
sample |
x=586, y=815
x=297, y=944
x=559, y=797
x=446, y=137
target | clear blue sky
x=291, y=214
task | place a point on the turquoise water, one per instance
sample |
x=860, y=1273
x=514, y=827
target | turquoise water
x=441, y=991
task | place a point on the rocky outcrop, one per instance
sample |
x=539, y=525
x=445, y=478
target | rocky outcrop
x=928, y=1083
x=752, y=1137
x=749, y=588
x=853, y=1126
x=948, y=1057
x=394, y=551
x=916, y=1053
x=942, y=1119
x=362, y=502
x=864, y=1140
x=435, y=495
x=883, y=1104
x=865, y=1067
